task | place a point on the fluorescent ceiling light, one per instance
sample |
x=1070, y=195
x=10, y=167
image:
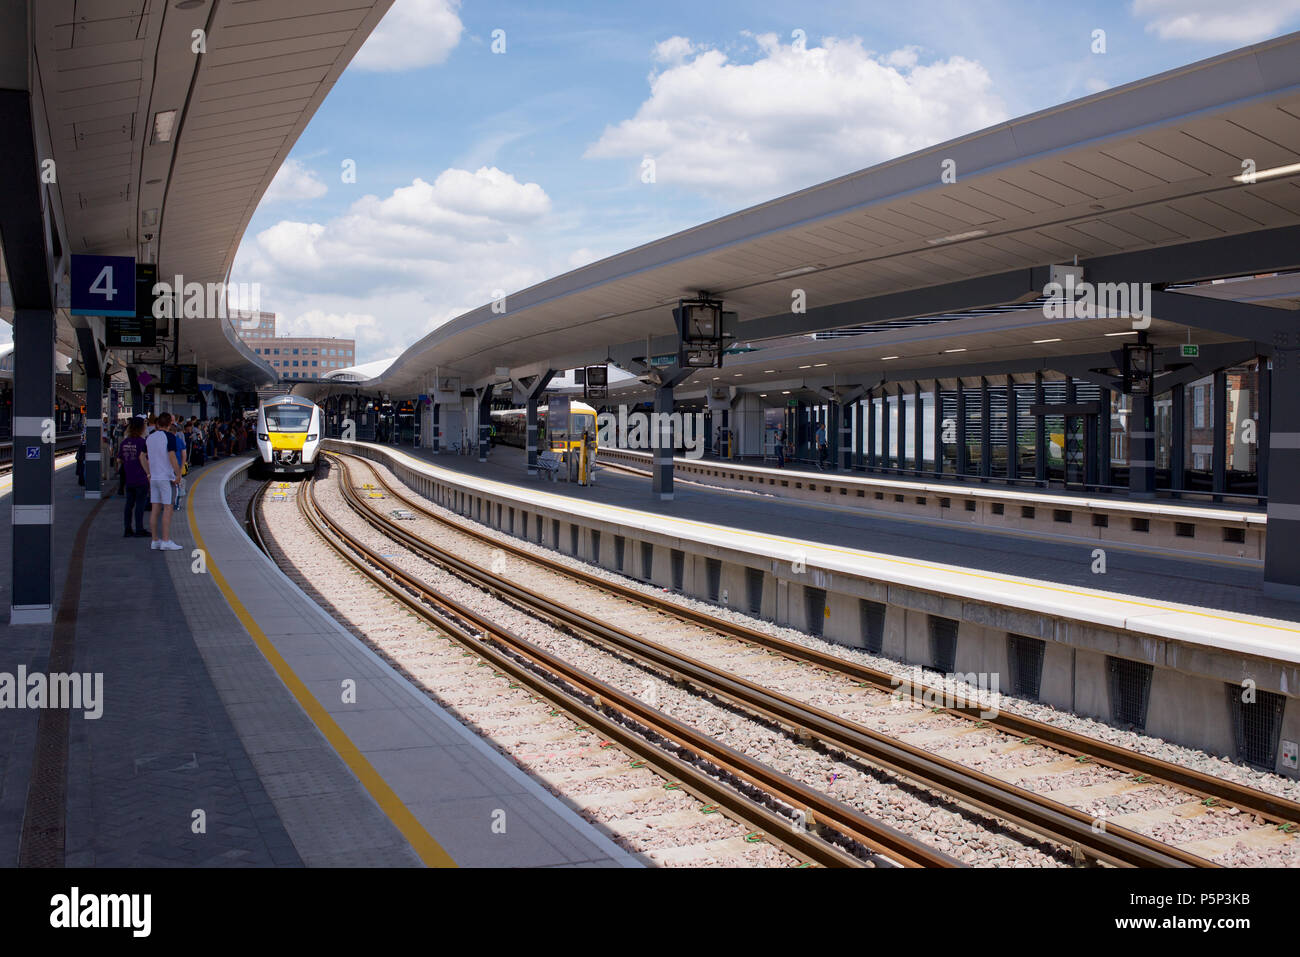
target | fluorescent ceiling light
x=164, y=124
x=820, y=364
x=887, y=358
x=786, y=392
x=805, y=367
x=1126, y=332
x=768, y=371
x=953, y=350
x=957, y=237
x=800, y=269
x=1039, y=342
x=1268, y=173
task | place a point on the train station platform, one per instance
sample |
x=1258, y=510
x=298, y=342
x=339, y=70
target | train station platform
x=1211, y=582
x=211, y=731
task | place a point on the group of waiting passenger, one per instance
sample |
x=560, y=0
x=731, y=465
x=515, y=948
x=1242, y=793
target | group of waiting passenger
x=152, y=457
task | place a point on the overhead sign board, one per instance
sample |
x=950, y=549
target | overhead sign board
x=180, y=379
x=1191, y=351
x=103, y=286
x=596, y=383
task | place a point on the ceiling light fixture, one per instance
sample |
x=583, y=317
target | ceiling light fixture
x=805, y=367
x=799, y=270
x=1039, y=342
x=1126, y=332
x=820, y=364
x=953, y=350
x=957, y=237
x=887, y=358
x=1267, y=173
x=164, y=125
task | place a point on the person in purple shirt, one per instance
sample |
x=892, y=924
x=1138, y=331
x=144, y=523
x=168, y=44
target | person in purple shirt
x=137, y=481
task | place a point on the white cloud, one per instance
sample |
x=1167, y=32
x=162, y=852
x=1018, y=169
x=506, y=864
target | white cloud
x=796, y=116
x=414, y=33
x=673, y=50
x=294, y=181
x=390, y=269
x=1212, y=21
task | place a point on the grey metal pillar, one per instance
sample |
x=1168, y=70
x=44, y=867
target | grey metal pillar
x=1282, y=545
x=90, y=358
x=1013, y=431
x=1217, y=421
x=33, y=468
x=1142, y=446
x=1262, y=426
x=833, y=433
x=901, y=461
x=871, y=429
x=536, y=389
x=859, y=444
x=986, y=428
x=437, y=428
x=1103, y=436
x=918, y=429
x=663, y=453
x=484, y=422
x=844, y=412
x=963, y=459
x=1040, y=431
x=1177, y=438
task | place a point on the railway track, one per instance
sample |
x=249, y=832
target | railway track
x=749, y=792
x=1109, y=842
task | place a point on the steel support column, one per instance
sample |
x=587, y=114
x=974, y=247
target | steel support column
x=1177, y=437
x=536, y=389
x=937, y=426
x=484, y=422
x=986, y=428
x=33, y=467
x=871, y=429
x=1282, y=546
x=1040, y=431
x=90, y=359
x=918, y=429
x=1262, y=426
x=1217, y=421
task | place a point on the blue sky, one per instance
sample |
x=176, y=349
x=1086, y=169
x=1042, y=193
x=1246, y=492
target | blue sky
x=479, y=171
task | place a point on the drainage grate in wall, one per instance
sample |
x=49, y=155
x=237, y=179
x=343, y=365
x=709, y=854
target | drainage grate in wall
x=1256, y=726
x=595, y=546
x=943, y=644
x=647, y=560
x=677, y=558
x=538, y=524
x=1025, y=656
x=555, y=534
x=1130, y=690
x=814, y=602
x=713, y=574
x=620, y=543
x=1234, y=535
x=573, y=540
x=873, y=625
x=754, y=590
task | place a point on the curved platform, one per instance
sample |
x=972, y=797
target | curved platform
x=223, y=739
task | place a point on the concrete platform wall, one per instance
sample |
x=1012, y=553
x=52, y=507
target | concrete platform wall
x=1188, y=701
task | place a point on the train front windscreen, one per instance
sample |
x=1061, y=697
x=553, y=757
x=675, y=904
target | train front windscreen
x=288, y=418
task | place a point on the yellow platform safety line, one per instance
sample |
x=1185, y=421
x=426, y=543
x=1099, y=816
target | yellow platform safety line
x=424, y=844
x=859, y=553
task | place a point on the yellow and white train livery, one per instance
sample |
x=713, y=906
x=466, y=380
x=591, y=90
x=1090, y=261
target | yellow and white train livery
x=288, y=434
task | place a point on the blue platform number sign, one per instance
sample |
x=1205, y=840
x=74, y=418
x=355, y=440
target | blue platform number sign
x=33, y=451
x=103, y=286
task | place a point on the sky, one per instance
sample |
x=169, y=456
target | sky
x=476, y=147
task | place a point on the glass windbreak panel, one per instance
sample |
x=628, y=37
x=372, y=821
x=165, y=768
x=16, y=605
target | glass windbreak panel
x=1198, y=447
x=287, y=418
x=1241, y=422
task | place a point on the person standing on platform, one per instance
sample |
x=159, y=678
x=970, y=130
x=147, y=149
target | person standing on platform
x=820, y=441
x=131, y=456
x=164, y=474
x=780, y=448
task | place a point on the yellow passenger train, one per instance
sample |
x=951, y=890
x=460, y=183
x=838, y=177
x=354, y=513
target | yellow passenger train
x=512, y=428
x=288, y=435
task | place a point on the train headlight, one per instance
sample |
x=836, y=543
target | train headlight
x=263, y=437
x=313, y=437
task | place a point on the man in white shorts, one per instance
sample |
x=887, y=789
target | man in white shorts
x=164, y=471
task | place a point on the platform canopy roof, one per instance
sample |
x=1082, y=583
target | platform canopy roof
x=1142, y=183
x=163, y=153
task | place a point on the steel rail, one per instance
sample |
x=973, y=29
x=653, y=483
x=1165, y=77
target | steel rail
x=482, y=636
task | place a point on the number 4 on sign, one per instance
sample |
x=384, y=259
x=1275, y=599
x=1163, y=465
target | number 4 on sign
x=103, y=284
